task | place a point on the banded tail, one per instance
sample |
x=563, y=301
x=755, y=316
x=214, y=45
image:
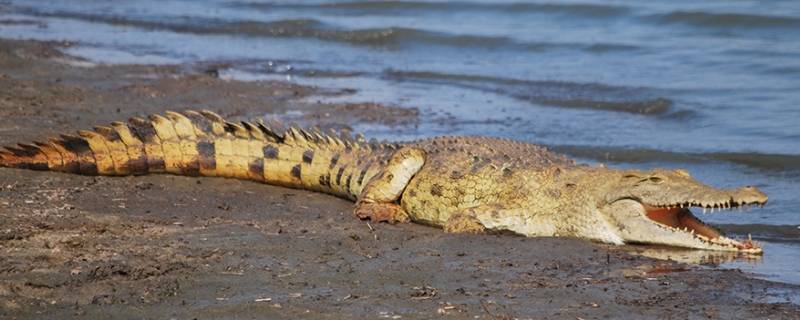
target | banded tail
x=204, y=144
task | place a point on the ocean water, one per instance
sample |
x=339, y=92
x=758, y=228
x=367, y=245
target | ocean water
x=709, y=86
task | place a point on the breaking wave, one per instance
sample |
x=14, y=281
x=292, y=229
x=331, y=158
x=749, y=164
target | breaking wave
x=315, y=29
x=552, y=93
x=415, y=7
x=773, y=162
x=728, y=20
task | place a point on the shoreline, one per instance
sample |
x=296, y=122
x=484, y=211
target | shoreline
x=186, y=247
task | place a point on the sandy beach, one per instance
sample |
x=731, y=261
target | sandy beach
x=162, y=246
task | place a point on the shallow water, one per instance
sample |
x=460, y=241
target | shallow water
x=712, y=87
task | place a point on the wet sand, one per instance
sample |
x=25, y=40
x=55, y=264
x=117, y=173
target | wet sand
x=166, y=246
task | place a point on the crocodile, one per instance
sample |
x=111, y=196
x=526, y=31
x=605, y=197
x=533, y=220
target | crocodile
x=461, y=184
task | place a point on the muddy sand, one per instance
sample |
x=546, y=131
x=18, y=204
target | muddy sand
x=155, y=247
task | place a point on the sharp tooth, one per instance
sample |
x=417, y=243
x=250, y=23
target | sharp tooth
x=704, y=210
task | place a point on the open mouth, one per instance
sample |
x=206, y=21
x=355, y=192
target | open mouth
x=681, y=219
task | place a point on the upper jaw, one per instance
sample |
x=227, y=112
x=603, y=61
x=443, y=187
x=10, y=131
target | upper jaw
x=711, y=199
x=713, y=205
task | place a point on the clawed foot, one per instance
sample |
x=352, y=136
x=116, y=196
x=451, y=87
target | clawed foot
x=381, y=212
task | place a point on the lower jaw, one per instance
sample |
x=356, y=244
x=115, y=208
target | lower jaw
x=683, y=219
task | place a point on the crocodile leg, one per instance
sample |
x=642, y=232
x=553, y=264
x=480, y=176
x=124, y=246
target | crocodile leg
x=378, y=200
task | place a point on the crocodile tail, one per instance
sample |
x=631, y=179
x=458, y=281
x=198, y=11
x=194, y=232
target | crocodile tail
x=201, y=143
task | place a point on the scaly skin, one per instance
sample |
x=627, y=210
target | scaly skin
x=462, y=184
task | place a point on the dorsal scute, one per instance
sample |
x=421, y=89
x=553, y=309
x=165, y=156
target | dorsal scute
x=29, y=150
x=184, y=126
x=201, y=124
x=216, y=121
x=192, y=124
x=359, y=138
x=254, y=131
x=268, y=133
x=237, y=130
x=294, y=136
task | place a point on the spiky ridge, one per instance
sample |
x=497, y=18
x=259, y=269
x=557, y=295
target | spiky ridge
x=713, y=206
x=202, y=143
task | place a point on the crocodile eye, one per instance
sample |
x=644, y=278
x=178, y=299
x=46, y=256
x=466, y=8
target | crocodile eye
x=656, y=180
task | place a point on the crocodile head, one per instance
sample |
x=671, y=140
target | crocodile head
x=656, y=207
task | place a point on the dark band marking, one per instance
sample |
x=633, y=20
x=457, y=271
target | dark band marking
x=138, y=165
x=88, y=167
x=270, y=152
x=347, y=183
x=361, y=176
x=296, y=171
x=69, y=160
x=83, y=151
x=28, y=152
x=24, y=151
x=38, y=166
x=334, y=160
x=200, y=122
x=75, y=145
x=109, y=134
x=339, y=176
x=256, y=167
x=144, y=130
x=308, y=156
x=206, y=155
x=34, y=150
x=206, y=149
x=156, y=164
x=191, y=168
x=325, y=180
x=229, y=128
